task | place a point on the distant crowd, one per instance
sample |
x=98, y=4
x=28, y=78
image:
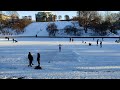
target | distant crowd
x=12, y=39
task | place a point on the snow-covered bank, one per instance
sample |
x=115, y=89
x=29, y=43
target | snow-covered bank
x=39, y=29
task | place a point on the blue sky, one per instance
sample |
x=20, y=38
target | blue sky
x=32, y=13
x=63, y=13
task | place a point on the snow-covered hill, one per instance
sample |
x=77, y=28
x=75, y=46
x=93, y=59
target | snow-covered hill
x=39, y=28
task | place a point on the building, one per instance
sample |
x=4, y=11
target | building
x=11, y=19
x=4, y=17
x=44, y=17
x=27, y=18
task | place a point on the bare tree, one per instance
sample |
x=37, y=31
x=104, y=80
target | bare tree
x=52, y=29
x=114, y=17
x=108, y=17
x=85, y=17
x=67, y=17
x=59, y=17
x=95, y=21
x=54, y=17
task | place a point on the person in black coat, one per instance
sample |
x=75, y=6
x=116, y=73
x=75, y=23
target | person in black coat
x=8, y=38
x=70, y=39
x=100, y=44
x=13, y=40
x=97, y=41
x=38, y=58
x=36, y=35
x=30, y=57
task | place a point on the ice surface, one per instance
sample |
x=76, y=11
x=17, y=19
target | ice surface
x=77, y=60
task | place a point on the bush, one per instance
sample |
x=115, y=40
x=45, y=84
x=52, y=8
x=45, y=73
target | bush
x=17, y=26
x=70, y=29
x=52, y=29
x=101, y=29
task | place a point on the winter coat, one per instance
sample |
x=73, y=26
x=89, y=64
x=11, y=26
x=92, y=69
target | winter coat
x=30, y=57
x=38, y=56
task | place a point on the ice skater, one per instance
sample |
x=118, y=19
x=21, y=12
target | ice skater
x=60, y=47
x=90, y=44
x=97, y=41
x=36, y=35
x=100, y=44
x=8, y=38
x=13, y=40
x=70, y=39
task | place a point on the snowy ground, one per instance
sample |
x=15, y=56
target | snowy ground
x=77, y=60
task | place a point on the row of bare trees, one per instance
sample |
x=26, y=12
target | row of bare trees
x=69, y=29
x=98, y=22
x=17, y=26
x=66, y=17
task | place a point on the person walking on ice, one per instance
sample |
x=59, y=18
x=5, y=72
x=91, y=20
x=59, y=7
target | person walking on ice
x=60, y=47
x=30, y=57
x=36, y=36
x=8, y=38
x=13, y=40
x=38, y=59
x=70, y=39
x=100, y=44
x=97, y=41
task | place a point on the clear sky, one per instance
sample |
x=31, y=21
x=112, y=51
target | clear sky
x=32, y=13
x=62, y=13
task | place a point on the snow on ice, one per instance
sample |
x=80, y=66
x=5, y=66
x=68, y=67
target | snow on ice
x=76, y=60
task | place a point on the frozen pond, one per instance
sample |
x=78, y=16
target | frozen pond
x=77, y=60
